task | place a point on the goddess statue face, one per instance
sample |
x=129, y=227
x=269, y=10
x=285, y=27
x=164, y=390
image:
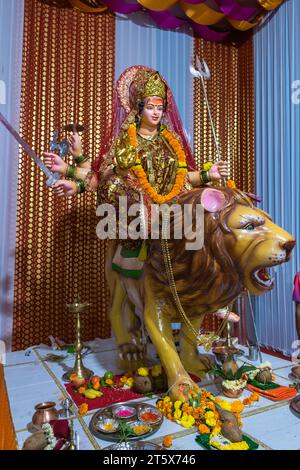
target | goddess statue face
x=152, y=112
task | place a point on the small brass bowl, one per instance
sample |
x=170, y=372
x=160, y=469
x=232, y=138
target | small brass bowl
x=150, y=410
x=124, y=412
x=103, y=423
x=141, y=424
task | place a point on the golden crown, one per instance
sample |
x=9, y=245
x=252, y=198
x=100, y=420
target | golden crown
x=155, y=87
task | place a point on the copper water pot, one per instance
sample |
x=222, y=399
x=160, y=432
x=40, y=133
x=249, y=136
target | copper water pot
x=45, y=412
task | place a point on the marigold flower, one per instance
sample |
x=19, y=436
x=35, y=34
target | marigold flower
x=129, y=382
x=167, y=441
x=184, y=406
x=211, y=422
x=247, y=401
x=83, y=409
x=167, y=399
x=109, y=381
x=209, y=414
x=207, y=166
x=237, y=406
x=225, y=405
x=81, y=390
x=216, y=429
x=254, y=396
x=211, y=406
x=203, y=429
x=187, y=421
x=143, y=371
x=230, y=184
x=177, y=404
x=177, y=414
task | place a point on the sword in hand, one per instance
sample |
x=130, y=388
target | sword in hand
x=52, y=178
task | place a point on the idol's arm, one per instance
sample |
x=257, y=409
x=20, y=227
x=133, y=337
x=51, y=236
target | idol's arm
x=218, y=171
x=195, y=178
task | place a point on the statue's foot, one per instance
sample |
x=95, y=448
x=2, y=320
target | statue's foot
x=131, y=351
x=183, y=389
x=198, y=365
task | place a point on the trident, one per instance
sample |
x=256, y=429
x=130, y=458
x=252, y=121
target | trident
x=202, y=71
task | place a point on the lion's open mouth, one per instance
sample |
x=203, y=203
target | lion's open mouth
x=262, y=277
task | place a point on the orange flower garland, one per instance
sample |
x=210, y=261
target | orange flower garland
x=230, y=184
x=141, y=174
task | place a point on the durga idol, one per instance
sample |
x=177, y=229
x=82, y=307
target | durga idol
x=144, y=153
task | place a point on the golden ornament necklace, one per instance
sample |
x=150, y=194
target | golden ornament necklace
x=141, y=174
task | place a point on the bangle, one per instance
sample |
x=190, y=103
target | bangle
x=80, y=185
x=204, y=176
x=81, y=159
x=70, y=173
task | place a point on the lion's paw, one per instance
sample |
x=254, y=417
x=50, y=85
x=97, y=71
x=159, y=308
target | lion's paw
x=199, y=365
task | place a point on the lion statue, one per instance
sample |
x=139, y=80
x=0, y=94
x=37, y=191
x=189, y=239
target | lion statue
x=240, y=244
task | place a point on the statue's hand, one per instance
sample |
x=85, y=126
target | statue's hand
x=65, y=188
x=218, y=171
x=75, y=147
x=55, y=163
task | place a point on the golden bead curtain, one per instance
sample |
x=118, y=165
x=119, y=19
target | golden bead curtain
x=230, y=93
x=67, y=76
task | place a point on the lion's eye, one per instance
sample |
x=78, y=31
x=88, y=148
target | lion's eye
x=249, y=227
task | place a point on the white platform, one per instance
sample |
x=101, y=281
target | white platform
x=29, y=382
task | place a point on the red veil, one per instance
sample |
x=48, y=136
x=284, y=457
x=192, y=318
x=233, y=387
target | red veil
x=125, y=108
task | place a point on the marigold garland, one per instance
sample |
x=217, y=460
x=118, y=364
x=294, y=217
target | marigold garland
x=230, y=184
x=141, y=174
x=204, y=414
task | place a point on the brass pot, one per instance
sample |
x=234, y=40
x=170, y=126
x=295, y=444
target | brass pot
x=232, y=393
x=45, y=412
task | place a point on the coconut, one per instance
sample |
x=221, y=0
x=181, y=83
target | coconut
x=230, y=366
x=264, y=376
x=38, y=441
x=231, y=431
x=142, y=384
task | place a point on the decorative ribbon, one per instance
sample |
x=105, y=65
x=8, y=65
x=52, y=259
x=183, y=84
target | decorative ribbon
x=119, y=6
x=235, y=10
x=243, y=25
x=157, y=6
x=202, y=14
x=270, y=4
x=198, y=14
x=210, y=34
x=166, y=20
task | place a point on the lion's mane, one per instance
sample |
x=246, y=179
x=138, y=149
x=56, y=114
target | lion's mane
x=209, y=278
